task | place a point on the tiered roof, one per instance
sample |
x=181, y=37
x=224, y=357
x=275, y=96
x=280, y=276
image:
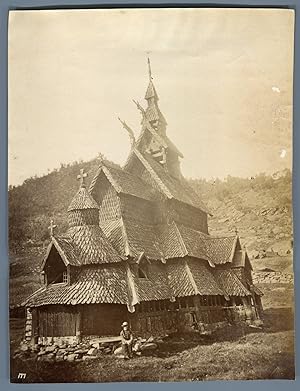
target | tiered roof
x=183, y=261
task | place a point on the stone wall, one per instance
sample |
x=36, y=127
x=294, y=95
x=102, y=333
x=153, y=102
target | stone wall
x=272, y=277
x=28, y=325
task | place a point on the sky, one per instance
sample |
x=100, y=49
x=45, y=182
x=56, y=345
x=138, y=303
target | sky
x=224, y=78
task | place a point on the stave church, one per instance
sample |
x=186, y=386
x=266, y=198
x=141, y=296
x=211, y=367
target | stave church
x=138, y=248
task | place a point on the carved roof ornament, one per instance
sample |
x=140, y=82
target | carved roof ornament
x=81, y=177
x=129, y=130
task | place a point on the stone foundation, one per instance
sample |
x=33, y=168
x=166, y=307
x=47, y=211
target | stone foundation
x=50, y=350
x=28, y=325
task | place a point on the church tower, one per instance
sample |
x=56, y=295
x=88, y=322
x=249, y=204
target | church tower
x=153, y=139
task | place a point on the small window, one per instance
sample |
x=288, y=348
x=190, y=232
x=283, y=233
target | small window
x=65, y=277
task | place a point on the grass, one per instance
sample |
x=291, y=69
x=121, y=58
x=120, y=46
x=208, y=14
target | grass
x=235, y=353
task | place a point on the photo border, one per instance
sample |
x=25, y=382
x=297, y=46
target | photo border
x=5, y=7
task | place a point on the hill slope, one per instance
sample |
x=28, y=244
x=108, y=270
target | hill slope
x=259, y=208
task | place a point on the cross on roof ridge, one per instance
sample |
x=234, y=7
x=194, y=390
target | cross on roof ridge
x=81, y=177
x=51, y=227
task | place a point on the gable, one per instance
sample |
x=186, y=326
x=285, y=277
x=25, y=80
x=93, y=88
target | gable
x=99, y=187
x=53, y=259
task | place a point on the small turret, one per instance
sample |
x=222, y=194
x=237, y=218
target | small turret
x=83, y=209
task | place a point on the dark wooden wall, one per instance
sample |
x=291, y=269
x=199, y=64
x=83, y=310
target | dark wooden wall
x=188, y=215
x=55, y=321
x=92, y=319
x=103, y=319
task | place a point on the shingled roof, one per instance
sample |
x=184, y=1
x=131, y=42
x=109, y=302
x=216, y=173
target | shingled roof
x=92, y=286
x=170, y=186
x=191, y=277
x=124, y=182
x=82, y=200
x=83, y=245
x=167, y=241
x=155, y=286
x=132, y=237
x=230, y=283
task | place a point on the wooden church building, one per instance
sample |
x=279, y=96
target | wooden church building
x=138, y=248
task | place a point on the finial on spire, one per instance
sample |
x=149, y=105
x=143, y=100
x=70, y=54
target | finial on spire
x=149, y=70
x=51, y=228
x=81, y=177
x=236, y=231
x=129, y=130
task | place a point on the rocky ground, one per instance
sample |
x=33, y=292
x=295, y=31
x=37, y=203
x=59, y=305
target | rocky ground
x=232, y=353
x=51, y=351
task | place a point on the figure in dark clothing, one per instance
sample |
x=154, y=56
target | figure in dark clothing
x=127, y=339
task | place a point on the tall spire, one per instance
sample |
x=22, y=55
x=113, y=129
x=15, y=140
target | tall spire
x=153, y=113
x=149, y=70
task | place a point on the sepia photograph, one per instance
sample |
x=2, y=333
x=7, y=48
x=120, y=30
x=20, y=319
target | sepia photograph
x=150, y=195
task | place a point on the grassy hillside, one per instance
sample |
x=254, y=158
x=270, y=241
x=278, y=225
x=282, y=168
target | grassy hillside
x=260, y=208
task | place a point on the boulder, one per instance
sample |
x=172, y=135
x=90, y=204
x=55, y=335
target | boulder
x=81, y=351
x=71, y=357
x=50, y=349
x=107, y=350
x=150, y=339
x=84, y=358
x=92, y=352
x=95, y=345
x=119, y=351
x=136, y=346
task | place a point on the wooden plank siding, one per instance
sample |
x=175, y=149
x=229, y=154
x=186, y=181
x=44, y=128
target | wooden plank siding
x=55, y=321
x=92, y=319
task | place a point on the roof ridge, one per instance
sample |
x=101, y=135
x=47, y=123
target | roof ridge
x=125, y=237
x=112, y=181
x=181, y=241
x=160, y=183
x=233, y=248
x=131, y=288
x=191, y=277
